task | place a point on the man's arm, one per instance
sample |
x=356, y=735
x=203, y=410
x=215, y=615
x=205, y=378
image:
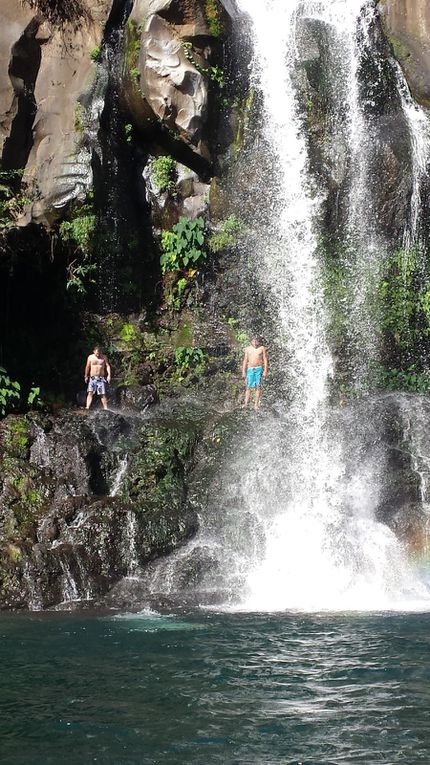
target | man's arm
x=108, y=370
x=87, y=369
x=245, y=363
x=265, y=362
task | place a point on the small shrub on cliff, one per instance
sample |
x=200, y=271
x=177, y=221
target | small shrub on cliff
x=17, y=439
x=79, y=234
x=79, y=119
x=96, y=54
x=79, y=231
x=404, y=301
x=409, y=379
x=61, y=13
x=213, y=17
x=164, y=173
x=189, y=359
x=183, y=245
x=10, y=392
x=229, y=235
x=12, y=201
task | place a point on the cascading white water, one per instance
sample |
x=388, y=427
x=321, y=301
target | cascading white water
x=316, y=555
x=419, y=130
x=290, y=517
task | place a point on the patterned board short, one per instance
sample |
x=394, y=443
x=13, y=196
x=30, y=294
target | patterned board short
x=97, y=385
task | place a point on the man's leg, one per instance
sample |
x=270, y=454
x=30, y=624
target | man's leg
x=104, y=402
x=89, y=399
x=247, y=396
x=257, y=396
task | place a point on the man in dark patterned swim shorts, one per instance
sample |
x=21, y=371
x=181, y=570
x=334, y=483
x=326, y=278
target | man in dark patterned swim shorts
x=97, y=374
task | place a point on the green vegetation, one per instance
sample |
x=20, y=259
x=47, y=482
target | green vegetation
x=398, y=306
x=215, y=73
x=128, y=334
x=29, y=500
x=174, y=297
x=336, y=295
x=12, y=202
x=128, y=132
x=164, y=173
x=409, y=380
x=228, y=235
x=34, y=400
x=79, y=118
x=135, y=74
x=78, y=234
x=400, y=51
x=96, y=54
x=10, y=393
x=16, y=439
x=183, y=245
x=132, y=352
x=132, y=44
x=80, y=231
x=188, y=360
x=404, y=300
x=240, y=336
x=213, y=17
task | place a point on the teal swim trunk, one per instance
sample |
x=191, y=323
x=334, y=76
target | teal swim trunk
x=253, y=377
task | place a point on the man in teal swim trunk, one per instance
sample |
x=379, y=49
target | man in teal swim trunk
x=254, y=369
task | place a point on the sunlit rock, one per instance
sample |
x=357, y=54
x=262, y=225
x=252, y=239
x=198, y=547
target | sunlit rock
x=407, y=23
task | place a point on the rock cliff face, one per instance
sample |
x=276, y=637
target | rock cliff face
x=84, y=501
x=407, y=23
x=53, y=81
x=46, y=71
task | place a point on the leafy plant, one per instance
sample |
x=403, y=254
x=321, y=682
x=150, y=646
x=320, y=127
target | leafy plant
x=409, y=380
x=10, y=392
x=12, y=202
x=404, y=302
x=213, y=17
x=128, y=131
x=133, y=44
x=135, y=74
x=79, y=276
x=228, y=235
x=174, y=299
x=240, y=336
x=183, y=245
x=96, y=54
x=79, y=232
x=128, y=333
x=215, y=73
x=164, y=173
x=33, y=399
x=187, y=359
x=79, y=118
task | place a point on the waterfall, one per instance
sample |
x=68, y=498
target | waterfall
x=322, y=546
x=295, y=520
x=419, y=129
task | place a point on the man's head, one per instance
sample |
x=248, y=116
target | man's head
x=97, y=351
x=256, y=341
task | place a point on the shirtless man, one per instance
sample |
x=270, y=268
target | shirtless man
x=97, y=374
x=254, y=368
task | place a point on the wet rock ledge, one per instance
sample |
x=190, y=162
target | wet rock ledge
x=86, y=498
